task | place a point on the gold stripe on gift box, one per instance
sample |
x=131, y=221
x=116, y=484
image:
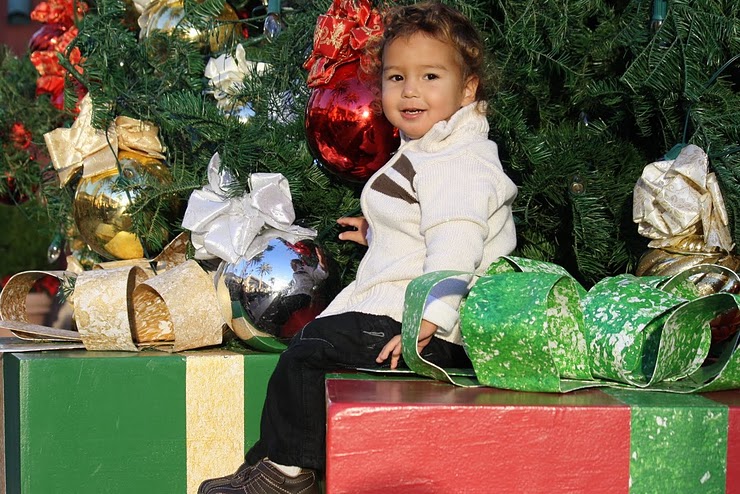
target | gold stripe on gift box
x=214, y=395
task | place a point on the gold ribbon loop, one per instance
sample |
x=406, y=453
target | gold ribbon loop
x=13, y=310
x=126, y=306
x=101, y=307
x=166, y=315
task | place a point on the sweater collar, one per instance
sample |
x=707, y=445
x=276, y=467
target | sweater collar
x=468, y=120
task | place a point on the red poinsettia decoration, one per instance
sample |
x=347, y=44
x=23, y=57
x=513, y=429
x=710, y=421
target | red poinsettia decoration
x=52, y=39
x=62, y=12
x=20, y=136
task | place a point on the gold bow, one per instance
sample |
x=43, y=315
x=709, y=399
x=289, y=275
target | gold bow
x=95, y=150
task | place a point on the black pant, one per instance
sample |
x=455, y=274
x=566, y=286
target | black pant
x=279, y=311
x=293, y=426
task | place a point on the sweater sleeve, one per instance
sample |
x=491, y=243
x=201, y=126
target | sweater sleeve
x=456, y=198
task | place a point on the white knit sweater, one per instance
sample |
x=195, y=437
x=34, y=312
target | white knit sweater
x=442, y=202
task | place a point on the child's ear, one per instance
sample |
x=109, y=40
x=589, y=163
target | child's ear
x=470, y=89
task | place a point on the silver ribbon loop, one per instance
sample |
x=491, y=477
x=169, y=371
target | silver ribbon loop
x=232, y=227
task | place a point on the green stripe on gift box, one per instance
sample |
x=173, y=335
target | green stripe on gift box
x=90, y=426
x=257, y=371
x=678, y=443
x=90, y=422
x=10, y=444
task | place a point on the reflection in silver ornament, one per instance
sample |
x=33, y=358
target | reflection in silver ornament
x=277, y=292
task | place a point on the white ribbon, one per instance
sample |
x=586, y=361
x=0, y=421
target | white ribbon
x=232, y=227
x=226, y=76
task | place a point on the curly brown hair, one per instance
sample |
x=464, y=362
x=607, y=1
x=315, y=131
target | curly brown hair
x=438, y=21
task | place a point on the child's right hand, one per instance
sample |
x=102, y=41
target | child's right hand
x=359, y=234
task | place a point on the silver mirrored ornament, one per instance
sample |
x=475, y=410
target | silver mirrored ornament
x=275, y=293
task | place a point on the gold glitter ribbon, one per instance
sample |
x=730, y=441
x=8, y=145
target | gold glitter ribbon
x=124, y=305
x=214, y=394
x=95, y=150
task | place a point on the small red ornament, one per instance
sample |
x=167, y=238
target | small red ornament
x=11, y=196
x=20, y=136
x=346, y=132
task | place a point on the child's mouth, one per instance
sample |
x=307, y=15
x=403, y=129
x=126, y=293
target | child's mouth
x=412, y=111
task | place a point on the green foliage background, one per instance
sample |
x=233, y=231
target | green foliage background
x=584, y=94
x=22, y=246
x=27, y=228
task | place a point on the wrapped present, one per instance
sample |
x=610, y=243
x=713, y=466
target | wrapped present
x=90, y=422
x=480, y=439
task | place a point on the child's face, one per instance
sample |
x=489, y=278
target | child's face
x=422, y=83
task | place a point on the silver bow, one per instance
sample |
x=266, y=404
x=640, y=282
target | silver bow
x=232, y=227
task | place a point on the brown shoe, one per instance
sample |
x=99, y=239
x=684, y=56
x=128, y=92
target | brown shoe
x=262, y=478
x=212, y=485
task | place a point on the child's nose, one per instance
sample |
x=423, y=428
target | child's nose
x=409, y=89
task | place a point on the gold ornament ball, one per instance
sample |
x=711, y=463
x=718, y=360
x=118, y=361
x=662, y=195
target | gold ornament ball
x=169, y=16
x=102, y=210
x=670, y=262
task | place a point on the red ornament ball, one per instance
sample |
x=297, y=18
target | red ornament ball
x=346, y=132
x=47, y=38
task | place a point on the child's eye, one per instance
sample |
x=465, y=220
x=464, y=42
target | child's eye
x=395, y=78
x=431, y=77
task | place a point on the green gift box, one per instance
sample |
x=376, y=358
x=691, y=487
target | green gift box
x=90, y=422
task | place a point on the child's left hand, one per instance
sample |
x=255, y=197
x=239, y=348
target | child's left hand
x=392, y=349
x=359, y=232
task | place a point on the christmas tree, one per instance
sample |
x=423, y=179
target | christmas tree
x=584, y=95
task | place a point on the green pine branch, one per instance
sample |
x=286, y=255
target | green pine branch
x=583, y=95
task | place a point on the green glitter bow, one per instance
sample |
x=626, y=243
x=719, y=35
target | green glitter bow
x=528, y=325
